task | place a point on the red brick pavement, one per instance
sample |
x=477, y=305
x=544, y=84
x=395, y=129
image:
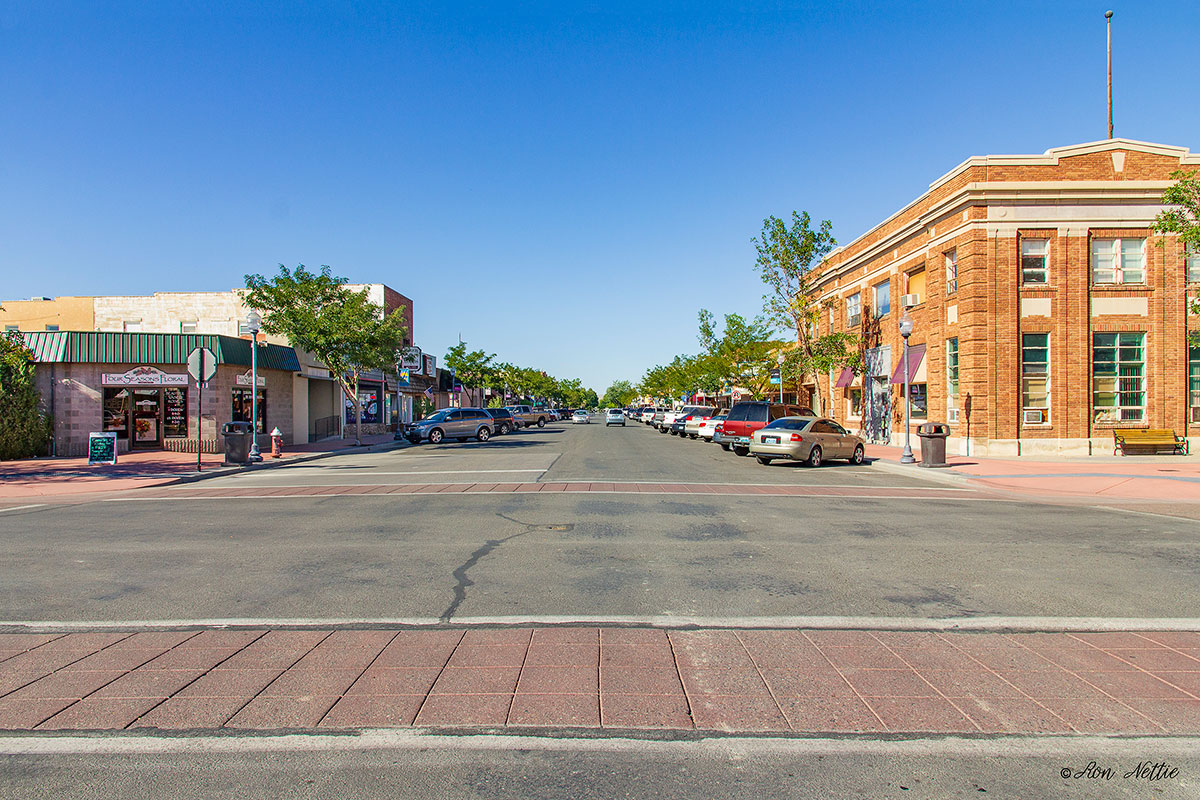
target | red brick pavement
x=791, y=681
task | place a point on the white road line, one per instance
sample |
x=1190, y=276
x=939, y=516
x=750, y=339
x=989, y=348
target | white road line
x=1010, y=624
x=825, y=497
x=21, y=508
x=320, y=471
x=1009, y=746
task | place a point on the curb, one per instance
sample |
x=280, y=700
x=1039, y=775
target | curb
x=221, y=472
x=937, y=475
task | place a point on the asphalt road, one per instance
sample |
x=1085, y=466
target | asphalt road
x=586, y=555
x=525, y=768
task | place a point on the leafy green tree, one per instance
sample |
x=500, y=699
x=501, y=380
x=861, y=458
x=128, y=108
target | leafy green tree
x=1183, y=218
x=786, y=257
x=742, y=353
x=619, y=395
x=342, y=328
x=473, y=369
x=24, y=429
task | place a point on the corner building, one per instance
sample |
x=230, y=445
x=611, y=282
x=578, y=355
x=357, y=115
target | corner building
x=1046, y=311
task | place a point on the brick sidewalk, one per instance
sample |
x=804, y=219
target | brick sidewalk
x=797, y=681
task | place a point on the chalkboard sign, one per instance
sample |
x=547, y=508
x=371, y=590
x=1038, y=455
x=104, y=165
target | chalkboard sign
x=102, y=448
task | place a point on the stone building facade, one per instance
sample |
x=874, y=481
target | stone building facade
x=1047, y=312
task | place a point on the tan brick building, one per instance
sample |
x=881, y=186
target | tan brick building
x=1046, y=311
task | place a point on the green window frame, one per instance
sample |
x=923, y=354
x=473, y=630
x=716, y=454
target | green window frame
x=1035, y=371
x=1194, y=383
x=952, y=369
x=1118, y=377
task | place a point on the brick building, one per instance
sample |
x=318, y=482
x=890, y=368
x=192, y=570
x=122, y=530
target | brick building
x=1046, y=311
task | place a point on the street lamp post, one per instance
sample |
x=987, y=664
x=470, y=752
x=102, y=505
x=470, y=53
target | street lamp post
x=906, y=328
x=254, y=325
x=779, y=359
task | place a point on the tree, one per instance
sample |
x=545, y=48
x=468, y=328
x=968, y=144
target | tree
x=343, y=329
x=1183, y=218
x=473, y=369
x=619, y=395
x=785, y=260
x=24, y=429
x=743, y=354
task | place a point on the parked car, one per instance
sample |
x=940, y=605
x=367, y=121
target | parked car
x=746, y=417
x=808, y=439
x=691, y=423
x=706, y=428
x=504, y=422
x=674, y=421
x=581, y=416
x=614, y=416
x=657, y=416
x=459, y=424
x=529, y=416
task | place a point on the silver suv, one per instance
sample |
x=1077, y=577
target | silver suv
x=459, y=424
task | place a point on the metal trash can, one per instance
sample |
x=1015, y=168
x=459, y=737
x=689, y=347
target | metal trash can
x=933, y=443
x=237, y=442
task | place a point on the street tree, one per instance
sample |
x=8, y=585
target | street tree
x=473, y=369
x=786, y=258
x=1182, y=217
x=741, y=354
x=24, y=429
x=619, y=395
x=317, y=312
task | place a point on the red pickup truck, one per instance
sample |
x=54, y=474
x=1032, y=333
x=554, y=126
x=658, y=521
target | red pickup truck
x=747, y=417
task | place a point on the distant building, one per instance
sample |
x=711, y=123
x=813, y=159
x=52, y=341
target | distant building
x=1047, y=312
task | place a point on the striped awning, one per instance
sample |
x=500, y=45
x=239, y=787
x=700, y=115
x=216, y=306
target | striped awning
x=97, y=347
x=916, y=354
x=845, y=379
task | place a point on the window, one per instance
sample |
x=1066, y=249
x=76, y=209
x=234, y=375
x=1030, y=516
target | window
x=916, y=284
x=1194, y=383
x=243, y=328
x=952, y=370
x=117, y=403
x=883, y=298
x=952, y=272
x=854, y=310
x=854, y=403
x=242, y=406
x=1035, y=258
x=187, y=327
x=1119, y=377
x=51, y=327
x=132, y=326
x=1118, y=260
x=1193, y=263
x=8, y=328
x=918, y=400
x=175, y=416
x=1035, y=371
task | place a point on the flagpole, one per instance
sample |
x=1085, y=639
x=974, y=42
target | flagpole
x=1108, y=17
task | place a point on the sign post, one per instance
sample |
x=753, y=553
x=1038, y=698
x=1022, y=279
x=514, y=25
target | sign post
x=202, y=365
x=102, y=448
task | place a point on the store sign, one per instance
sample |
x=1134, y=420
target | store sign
x=102, y=448
x=411, y=358
x=431, y=366
x=143, y=376
x=246, y=377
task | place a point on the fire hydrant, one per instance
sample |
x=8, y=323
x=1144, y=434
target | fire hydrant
x=276, y=443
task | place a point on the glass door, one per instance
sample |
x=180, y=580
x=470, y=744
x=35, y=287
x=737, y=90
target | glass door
x=147, y=418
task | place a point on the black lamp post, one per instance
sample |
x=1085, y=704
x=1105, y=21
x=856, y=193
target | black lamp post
x=906, y=328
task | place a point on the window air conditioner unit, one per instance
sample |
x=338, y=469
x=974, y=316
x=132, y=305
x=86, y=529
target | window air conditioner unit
x=1035, y=416
x=953, y=414
x=910, y=300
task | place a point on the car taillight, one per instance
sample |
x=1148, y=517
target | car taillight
x=797, y=437
x=687, y=419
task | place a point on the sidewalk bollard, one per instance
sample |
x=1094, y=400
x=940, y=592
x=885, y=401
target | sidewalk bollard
x=276, y=443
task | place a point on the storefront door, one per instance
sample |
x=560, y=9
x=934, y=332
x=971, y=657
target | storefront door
x=147, y=418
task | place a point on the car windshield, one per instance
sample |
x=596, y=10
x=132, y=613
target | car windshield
x=439, y=416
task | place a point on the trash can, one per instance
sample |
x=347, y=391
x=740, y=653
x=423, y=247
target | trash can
x=237, y=442
x=933, y=443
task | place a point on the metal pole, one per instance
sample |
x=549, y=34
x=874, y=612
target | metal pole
x=1108, y=17
x=254, y=454
x=199, y=412
x=907, y=456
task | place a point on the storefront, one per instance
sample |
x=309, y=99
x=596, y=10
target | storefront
x=137, y=386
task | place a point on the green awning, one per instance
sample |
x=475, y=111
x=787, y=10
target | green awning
x=94, y=347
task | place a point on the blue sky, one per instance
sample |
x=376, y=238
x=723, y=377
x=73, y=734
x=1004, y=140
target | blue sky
x=564, y=184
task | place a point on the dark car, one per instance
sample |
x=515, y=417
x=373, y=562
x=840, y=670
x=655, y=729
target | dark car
x=747, y=417
x=503, y=418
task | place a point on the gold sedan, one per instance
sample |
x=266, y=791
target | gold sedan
x=809, y=439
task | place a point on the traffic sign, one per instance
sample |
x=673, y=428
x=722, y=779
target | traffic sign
x=201, y=364
x=775, y=376
x=737, y=395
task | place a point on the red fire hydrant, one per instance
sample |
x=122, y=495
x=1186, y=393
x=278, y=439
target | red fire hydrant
x=276, y=443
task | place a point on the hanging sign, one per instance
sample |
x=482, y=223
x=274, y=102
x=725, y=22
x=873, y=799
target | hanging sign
x=405, y=377
x=431, y=366
x=102, y=448
x=143, y=376
x=246, y=377
x=410, y=358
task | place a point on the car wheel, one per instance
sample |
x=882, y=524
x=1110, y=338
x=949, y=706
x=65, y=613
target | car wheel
x=436, y=436
x=483, y=435
x=504, y=429
x=814, y=457
x=541, y=422
x=764, y=460
x=859, y=456
x=741, y=451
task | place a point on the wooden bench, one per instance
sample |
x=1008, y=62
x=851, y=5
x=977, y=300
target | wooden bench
x=1138, y=440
